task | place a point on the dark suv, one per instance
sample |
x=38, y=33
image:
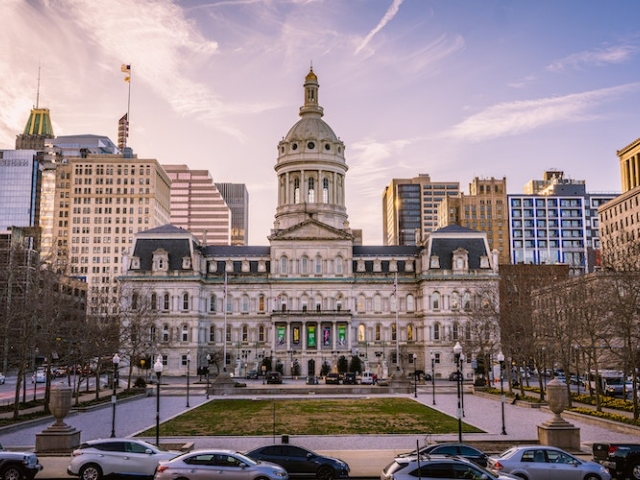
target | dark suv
x=18, y=465
x=274, y=377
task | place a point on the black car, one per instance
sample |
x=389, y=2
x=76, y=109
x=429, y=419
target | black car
x=300, y=462
x=274, y=377
x=349, y=378
x=460, y=449
x=252, y=375
x=332, y=379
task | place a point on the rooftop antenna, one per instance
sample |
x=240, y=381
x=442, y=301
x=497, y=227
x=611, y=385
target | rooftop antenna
x=126, y=69
x=38, y=89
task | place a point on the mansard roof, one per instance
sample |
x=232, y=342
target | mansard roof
x=443, y=242
x=176, y=247
x=235, y=251
x=385, y=251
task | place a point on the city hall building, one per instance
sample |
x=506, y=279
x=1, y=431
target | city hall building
x=315, y=293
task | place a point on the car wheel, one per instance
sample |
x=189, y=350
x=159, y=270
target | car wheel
x=325, y=473
x=635, y=471
x=90, y=471
x=592, y=476
x=12, y=472
x=522, y=476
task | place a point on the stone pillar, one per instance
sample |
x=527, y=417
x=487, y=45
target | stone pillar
x=558, y=432
x=59, y=437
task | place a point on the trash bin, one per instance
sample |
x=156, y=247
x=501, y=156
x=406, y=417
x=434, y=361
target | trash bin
x=285, y=438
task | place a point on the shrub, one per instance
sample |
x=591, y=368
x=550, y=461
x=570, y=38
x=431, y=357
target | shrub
x=140, y=383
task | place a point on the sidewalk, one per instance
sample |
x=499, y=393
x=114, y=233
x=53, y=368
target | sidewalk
x=366, y=454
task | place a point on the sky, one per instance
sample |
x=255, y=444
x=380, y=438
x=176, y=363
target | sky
x=455, y=89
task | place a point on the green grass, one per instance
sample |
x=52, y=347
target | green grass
x=310, y=417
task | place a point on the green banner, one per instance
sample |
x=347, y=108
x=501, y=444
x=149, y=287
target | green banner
x=342, y=334
x=281, y=333
x=311, y=336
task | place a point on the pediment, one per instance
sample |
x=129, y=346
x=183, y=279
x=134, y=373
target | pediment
x=311, y=230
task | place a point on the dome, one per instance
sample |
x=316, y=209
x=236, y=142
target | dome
x=311, y=129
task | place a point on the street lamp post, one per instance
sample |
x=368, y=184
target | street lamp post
x=188, y=368
x=116, y=361
x=157, y=367
x=433, y=378
x=457, y=351
x=208, y=365
x=415, y=377
x=501, y=361
x=462, y=358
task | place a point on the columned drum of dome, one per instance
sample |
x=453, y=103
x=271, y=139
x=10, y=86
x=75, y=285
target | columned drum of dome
x=311, y=168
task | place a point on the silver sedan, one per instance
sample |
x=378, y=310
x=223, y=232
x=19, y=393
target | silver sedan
x=218, y=464
x=538, y=462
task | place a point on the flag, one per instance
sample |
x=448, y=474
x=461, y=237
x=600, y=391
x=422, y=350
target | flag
x=126, y=69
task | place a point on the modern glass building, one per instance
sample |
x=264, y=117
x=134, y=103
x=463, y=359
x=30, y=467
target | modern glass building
x=19, y=182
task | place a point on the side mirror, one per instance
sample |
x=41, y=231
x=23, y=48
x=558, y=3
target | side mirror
x=148, y=451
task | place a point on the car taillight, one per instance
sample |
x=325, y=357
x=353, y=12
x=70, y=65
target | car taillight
x=612, y=449
x=162, y=468
x=496, y=466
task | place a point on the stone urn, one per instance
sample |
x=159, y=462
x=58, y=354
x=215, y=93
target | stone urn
x=60, y=403
x=557, y=398
x=557, y=431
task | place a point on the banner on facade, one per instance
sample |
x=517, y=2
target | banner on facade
x=281, y=334
x=311, y=336
x=326, y=336
x=295, y=336
x=342, y=334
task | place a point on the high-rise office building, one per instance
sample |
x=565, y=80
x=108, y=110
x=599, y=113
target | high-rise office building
x=484, y=209
x=198, y=206
x=549, y=177
x=20, y=176
x=237, y=198
x=102, y=201
x=410, y=208
x=557, y=225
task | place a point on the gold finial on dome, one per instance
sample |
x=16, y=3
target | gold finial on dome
x=311, y=75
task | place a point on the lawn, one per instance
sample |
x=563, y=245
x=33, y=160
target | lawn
x=310, y=417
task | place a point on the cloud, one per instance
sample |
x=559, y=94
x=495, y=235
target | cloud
x=517, y=117
x=599, y=58
x=388, y=16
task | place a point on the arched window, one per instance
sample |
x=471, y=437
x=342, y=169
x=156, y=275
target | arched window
x=245, y=304
x=165, y=333
x=436, y=331
x=377, y=303
x=296, y=190
x=245, y=333
x=154, y=302
x=212, y=333
x=394, y=333
x=318, y=303
x=261, y=334
x=454, y=331
x=212, y=303
x=378, y=333
x=185, y=301
x=304, y=303
x=362, y=333
x=318, y=265
x=261, y=303
x=361, y=303
x=409, y=333
x=411, y=304
x=304, y=265
x=283, y=303
x=312, y=192
x=284, y=265
x=185, y=333
x=466, y=301
x=325, y=190
x=165, y=302
x=339, y=265
x=455, y=301
x=435, y=301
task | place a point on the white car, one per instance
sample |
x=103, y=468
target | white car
x=2, y=378
x=116, y=456
x=39, y=377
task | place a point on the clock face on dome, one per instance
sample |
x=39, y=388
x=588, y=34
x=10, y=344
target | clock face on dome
x=294, y=146
x=311, y=145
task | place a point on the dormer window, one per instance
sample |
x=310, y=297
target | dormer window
x=460, y=261
x=434, y=262
x=160, y=260
x=186, y=263
x=135, y=263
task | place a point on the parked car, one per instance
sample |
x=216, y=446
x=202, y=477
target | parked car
x=460, y=449
x=252, y=374
x=94, y=459
x=2, y=378
x=18, y=465
x=621, y=459
x=300, y=462
x=349, y=378
x=274, y=377
x=537, y=462
x=455, y=376
x=427, y=467
x=332, y=379
x=40, y=376
x=218, y=464
x=368, y=378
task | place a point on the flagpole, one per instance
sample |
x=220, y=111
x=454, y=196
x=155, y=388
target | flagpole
x=395, y=294
x=224, y=333
x=128, y=108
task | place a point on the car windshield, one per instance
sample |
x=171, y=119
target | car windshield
x=153, y=448
x=507, y=453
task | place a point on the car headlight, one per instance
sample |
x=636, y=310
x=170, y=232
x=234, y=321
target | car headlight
x=279, y=473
